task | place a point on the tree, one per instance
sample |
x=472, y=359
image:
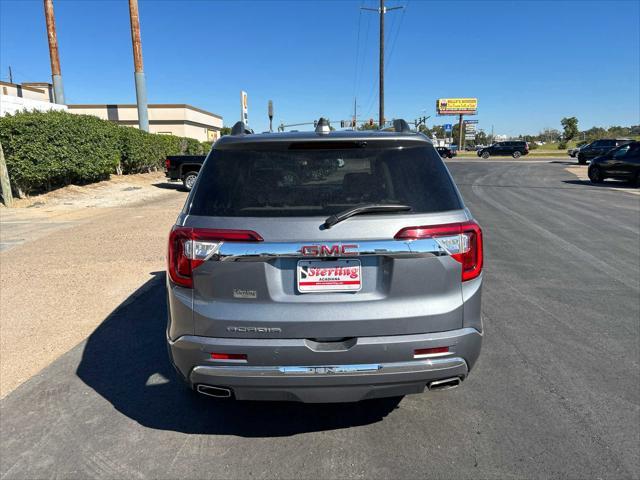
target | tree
x=570, y=126
x=225, y=131
x=368, y=126
x=550, y=135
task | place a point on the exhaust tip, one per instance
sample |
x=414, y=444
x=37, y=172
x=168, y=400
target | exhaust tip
x=217, y=392
x=444, y=384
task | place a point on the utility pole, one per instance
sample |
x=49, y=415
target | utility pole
x=460, y=134
x=56, y=75
x=270, y=113
x=10, y=75
x=381, y=11
x=141, y=86
x=355, y=112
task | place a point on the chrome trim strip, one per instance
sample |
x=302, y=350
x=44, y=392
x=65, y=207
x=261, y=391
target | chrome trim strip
x=264, y=251
x=331, y=370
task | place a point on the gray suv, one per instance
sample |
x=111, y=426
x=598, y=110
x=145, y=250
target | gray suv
x=324, y=267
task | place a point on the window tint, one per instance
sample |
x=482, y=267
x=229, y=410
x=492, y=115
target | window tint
x=312, y=182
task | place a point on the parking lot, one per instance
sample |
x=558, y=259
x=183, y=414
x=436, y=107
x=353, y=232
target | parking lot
x=556, y=392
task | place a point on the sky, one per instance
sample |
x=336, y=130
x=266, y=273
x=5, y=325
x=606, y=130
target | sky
x=529, y=63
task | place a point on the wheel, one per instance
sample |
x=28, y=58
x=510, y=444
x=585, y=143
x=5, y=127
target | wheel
x=189, y=180
x=516, y=154
x=582, y=160
x=595, y=174
x=485, y=154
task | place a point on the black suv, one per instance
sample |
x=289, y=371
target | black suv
x=445, y=152
x=599, y=147
x=514, y=149
x=622, y=163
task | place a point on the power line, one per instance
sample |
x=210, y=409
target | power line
x=393, y=42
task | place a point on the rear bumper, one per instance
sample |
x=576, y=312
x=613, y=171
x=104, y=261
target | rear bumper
x=296, y=370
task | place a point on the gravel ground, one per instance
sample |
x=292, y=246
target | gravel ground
x=66, y=263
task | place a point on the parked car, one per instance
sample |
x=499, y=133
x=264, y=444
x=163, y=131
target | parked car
x=622, y=163
x=184, y=168
x=511, y=148
x=572, y=152
x=445, y=152
x=359, y=284
x=599, y=147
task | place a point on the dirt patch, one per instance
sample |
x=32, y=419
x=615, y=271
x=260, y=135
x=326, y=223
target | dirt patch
x=118, y=191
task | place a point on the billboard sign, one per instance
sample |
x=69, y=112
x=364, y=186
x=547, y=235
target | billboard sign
x=457, y=106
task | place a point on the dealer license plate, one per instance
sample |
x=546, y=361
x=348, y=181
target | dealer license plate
x=329, y=276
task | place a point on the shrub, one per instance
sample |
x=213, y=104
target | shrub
x=533, y=145
x=562, y=145
x=140, y=151
x=46, y=150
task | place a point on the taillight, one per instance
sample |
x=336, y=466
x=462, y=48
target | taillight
x=190, y=247
x=463, y=241
x=167, y=164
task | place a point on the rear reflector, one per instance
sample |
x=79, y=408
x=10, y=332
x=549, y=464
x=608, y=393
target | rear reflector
x=190, y=247
x=229, y=356
x=430, y=352
x=463, y=241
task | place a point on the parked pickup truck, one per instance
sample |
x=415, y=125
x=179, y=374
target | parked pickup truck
x=184, y=168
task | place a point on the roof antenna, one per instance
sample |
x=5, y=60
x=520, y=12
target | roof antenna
x=323, y=127
x=240, y=129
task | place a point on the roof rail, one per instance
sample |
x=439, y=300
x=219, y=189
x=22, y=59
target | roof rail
x=240, y=129
x=399, y=125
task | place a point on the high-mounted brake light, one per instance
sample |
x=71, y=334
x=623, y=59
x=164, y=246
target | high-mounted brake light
x=167, y=163
x=190, y=247
x=462, y=240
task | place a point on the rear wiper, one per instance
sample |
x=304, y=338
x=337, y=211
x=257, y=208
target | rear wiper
x=368, y=208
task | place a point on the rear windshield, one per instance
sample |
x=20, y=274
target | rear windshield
x=311, y=181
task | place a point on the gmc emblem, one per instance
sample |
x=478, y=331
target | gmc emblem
x=336, y=250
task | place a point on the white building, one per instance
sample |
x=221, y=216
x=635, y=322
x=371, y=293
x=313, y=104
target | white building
x=26, y=96
x=165, y=118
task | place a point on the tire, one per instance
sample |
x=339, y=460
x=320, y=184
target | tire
x=516, y=154
x=485, y=155
x=595, y=174
x=581, y=160
x=189, y=180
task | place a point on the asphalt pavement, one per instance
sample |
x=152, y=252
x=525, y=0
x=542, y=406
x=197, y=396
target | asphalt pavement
x=555, y=394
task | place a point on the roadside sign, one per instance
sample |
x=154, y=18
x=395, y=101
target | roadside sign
x=470, y=136
x=457, y=106
x=244, y=110
x=447, y=127
x=471, y=121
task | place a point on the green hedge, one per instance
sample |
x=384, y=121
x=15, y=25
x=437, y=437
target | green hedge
x=47, y=150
